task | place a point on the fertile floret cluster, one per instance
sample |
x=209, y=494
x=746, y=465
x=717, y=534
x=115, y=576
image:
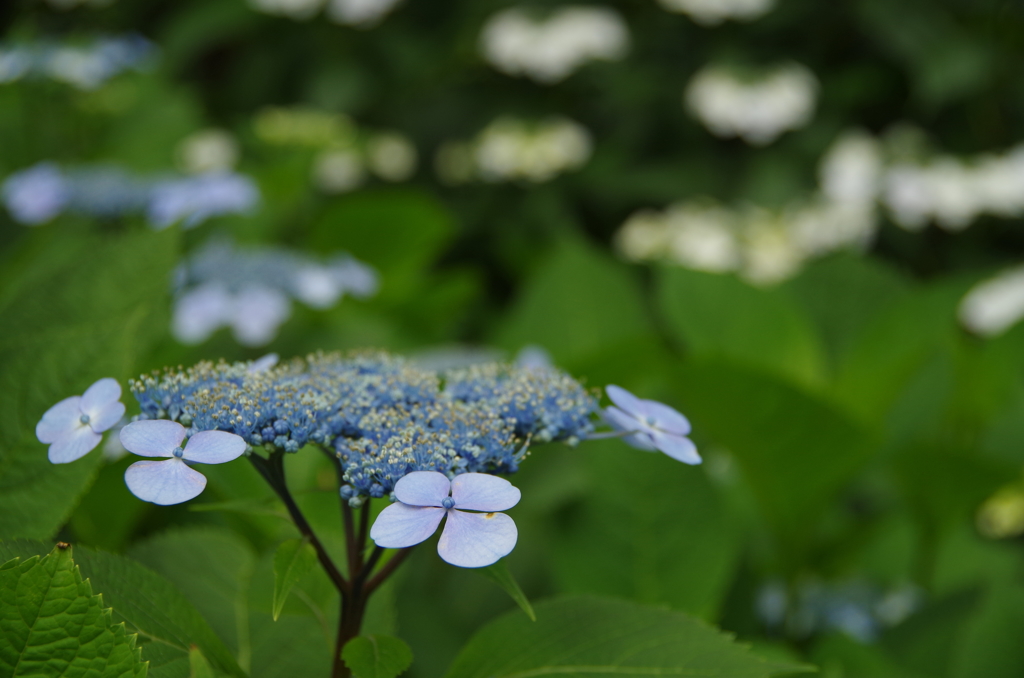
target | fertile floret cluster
x=381, y=416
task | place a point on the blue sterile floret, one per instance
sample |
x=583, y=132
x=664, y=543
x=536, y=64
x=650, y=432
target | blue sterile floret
x=383, y=417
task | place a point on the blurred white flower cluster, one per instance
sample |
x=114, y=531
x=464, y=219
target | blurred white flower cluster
x=757, y=110
x=208, y=150
x=358, y=13
x=251, y=290
x=994, y=305
x=42, y=192
x=714, y=12
x=510, y=149
x=549, y=50
x=766, y=246
x=954, y=192
x=345, y=154
x=83, y=66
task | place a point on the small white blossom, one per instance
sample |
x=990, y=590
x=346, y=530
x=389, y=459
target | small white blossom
x=652, y=425
x=758, y=111
x=550, y=50
x=172, y=481
x=714, y=12
x=476, y=535
x=995, y=305
x=74, y=426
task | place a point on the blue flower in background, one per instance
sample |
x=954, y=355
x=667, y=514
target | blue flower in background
x=36, y=195
x=475, y=539
x=652, y=425
x=74, y=426
x=172, y=481
x=42, y=192
x=193, y=200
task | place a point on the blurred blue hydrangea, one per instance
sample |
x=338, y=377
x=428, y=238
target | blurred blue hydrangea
x=40, y=193
x=250, y=289
x=85, y=66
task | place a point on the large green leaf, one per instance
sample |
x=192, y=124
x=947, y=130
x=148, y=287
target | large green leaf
x=53, y=625
x=376, y=656
x=66, y=326
x=588, y=637
x=294, y=559
x=890, y=349
x=212, y=568
x=670, y=533
x=149, y=605
x=235, y=594
x=841, y=295
x=719, y=316
x=577, y=303
x=795, y=451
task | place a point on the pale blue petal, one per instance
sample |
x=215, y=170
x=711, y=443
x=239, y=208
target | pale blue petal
x=621, y=421
x=164, y=482
x=677, y=447
x=59, y=420
x=476, y=539
x=106, y=417
x=422, y=488
x=483, y=492
x=263, y=364
x=214, y=447
x=400, y=525
x=625, y=400
x=74, y=445
x=99, y=395
x=152, y=438
x=665, y=418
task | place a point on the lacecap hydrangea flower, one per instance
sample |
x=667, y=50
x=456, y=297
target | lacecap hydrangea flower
x=74, y=426
x=172, y=481
x=475, y=535
x=381, y=416
x=651, y=425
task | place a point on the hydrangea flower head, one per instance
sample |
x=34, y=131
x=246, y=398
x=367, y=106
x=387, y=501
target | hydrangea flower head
x=654, y=426
x=171, y=481
x=74, y=426
x=476, y=539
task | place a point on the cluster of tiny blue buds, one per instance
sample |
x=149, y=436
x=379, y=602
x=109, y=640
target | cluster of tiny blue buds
x=381, y=416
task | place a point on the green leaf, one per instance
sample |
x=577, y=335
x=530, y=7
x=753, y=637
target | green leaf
x=500, y=575
x=719, y=316
x=150, y=606
x=65, y=326
x=221, y=593
x=235, y=594
x=794, y=450
x=589, y=637
x=841, y=295
x=53, y=625
x=292, y=561
x=889, y=350
x=671, y=533
x=577, y=303
x=376, y=656
x=199, y=667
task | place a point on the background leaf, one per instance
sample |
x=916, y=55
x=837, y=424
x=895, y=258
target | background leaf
x=293, y=560
x=376, y=656
x=594, y=636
